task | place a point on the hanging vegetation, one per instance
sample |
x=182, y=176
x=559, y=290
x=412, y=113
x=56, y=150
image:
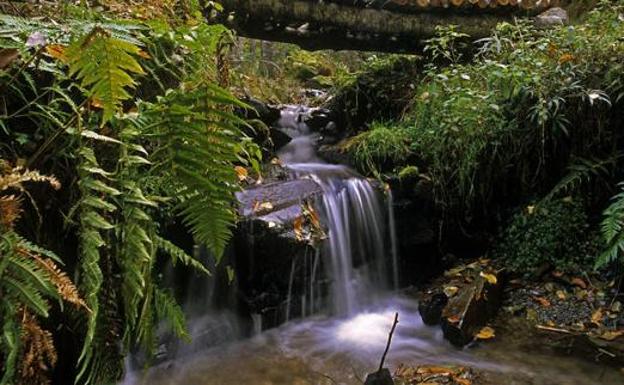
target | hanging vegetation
x=135, y=133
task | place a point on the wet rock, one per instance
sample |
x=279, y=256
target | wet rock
x=471, y=309
x=276, y=198
x=382, y=377
x=430, y=308
x=552, y=17
x=260, y=110
x=319, y=119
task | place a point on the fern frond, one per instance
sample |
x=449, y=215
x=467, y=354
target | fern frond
x=581, y=171
x=612, y=227
x=177, y=254
x=104, y=64
x=168, y=309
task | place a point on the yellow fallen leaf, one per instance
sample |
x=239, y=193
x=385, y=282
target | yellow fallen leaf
x=610, y=335
x=530, y=210
x=241, y=172
x=451, y=291
x=597, y=317
x=485, y=333
x=266, y=206
x=561, y=295
x=491, y=278
x=298, y=227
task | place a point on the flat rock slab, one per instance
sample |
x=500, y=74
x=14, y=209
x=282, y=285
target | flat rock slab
x=277, y=198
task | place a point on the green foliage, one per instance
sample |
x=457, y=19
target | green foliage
x=505, y=123
x=383, y=143
x=104, y=65
x=556, y=233
x=612, y=227
x=75, y=106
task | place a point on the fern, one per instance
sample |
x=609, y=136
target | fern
x=93, y=229
x=612, y=227
x=579, y=172
x=27, y=283
x=104, y=64
x=199, y=147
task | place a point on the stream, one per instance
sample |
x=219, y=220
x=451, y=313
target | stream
x=344, y=341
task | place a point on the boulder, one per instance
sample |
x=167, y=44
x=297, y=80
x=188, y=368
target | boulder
x=431, y=307
x=382, y=377
x=552, y=17
x=471, y=308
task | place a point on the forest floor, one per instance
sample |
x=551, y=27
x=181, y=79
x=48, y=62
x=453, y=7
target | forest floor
x=554, y=314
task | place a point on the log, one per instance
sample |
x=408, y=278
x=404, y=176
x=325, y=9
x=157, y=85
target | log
x=336, y=26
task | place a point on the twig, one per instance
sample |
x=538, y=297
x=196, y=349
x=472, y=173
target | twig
x=551, y=329
x=394, y=324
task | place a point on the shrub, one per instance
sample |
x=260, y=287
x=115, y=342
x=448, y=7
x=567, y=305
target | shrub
x=555, y=233
x=382, y=145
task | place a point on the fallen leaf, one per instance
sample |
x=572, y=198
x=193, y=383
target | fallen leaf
x=561, y=295
x=462, y=381
x=276, y=161
x=450, y=291
x=241, y=172
x=542, y=301
x=530, y=210
x=57, y=51
x=144, y=54
x=491, y=278
x=485, y=333
x=434, y=370
x=610, y=335
x=578, y=282
x=616, y=307
x=266, y=205
x=7, y=56
x=596, y=318
x=453, y=319
x=298, y=227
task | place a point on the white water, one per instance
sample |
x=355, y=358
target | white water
x=343, y=347
x=359, y=244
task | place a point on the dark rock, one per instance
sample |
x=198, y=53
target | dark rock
x=279, y=138
x=430, y=308
x=469, y=310
x=260, y=110
x=319, y=119
x=382, y=377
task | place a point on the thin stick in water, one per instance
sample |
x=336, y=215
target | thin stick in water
x=394, y=324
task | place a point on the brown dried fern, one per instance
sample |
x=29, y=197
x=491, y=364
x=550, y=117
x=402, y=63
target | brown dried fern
x=38, y=355
x=10, y=210
x=64, y=285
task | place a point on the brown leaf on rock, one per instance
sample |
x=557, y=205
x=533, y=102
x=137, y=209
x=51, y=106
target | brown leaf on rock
x=542, y=301
x=491, y=278
x=298, y=227
x=241, y=173
x=485, y=333
x=578, y=282
x=597, y=317
x=610, y=335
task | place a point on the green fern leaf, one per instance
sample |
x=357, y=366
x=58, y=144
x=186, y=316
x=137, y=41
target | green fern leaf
x=104, y=64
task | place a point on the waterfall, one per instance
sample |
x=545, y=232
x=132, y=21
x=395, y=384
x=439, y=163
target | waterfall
x=361, y=240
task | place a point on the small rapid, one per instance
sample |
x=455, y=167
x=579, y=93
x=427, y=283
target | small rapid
x=341, y=338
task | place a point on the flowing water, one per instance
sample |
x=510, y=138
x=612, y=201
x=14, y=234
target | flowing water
x=340, y=344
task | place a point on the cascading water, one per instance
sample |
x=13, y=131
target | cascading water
x=324, y=350
x=359, y=242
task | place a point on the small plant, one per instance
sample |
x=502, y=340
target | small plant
x=383, y=144
x=556, y=233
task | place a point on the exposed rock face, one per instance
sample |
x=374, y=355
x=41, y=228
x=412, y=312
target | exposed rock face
x=382, y=377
